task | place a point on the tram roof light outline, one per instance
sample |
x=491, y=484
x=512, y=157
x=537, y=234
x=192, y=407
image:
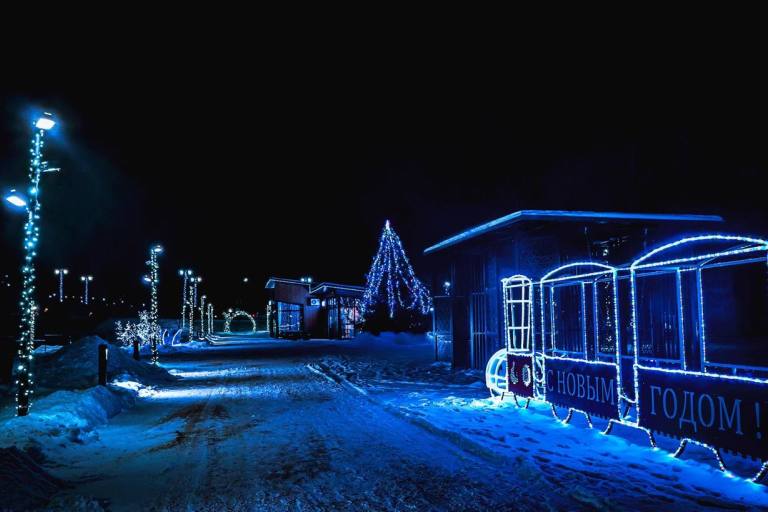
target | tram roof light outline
x=605, y=269
x=749, y=244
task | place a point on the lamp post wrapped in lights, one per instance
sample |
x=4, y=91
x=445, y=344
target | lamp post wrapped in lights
x=61, y=272
x=185, y=274
x=193, y=304
x=26, y=339
x=86, y=280
x=153, y=308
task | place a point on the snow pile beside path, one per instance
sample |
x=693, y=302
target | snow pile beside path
x=192, y=346
x=76, y=366
x=47, y=349
x=24, y=485
x=388, y=339
x=65, y=414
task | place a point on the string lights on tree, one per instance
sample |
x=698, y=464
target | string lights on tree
x=392, y=281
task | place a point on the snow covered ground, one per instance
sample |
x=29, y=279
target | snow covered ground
x=255, y=424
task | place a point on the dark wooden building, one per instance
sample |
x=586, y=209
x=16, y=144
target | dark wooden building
x=466, y=269
x=296, y=309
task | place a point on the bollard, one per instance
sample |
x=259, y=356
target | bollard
x=136, y=353
x=102, y=365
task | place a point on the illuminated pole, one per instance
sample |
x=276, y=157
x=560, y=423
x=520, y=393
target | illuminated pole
x=185, y=274
x=26, y=339
x=153, y=309
x=202, y=316
x=210, y=318
x=61, y=272
x=193, y=305
x=86, y=280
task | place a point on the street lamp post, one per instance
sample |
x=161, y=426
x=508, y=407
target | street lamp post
x=26, y=339
x=86, y=280
x=202, y=316
x=193, y=304
x=61, y=272
x=185, y=275
x=153, y=308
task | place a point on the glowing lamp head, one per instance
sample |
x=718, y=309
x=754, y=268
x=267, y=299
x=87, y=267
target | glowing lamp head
x=45, y=122
x=147, y=279
x=157, y=249
x=16, y=199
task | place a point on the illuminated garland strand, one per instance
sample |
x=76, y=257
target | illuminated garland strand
x=230, y=315
x=391, y=278
x=26, y=340
x=202, y=317
x=185, y=274
x=61, y=272
x=153, y=310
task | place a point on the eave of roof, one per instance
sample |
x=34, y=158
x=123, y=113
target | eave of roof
x=527, y=215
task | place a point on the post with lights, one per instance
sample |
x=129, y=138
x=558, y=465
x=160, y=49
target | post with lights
x=202, y=317
x=154, y=252
x=61, y=272
x=185, y=274
x=193, y=304
x=86, y=280
x=26, y=341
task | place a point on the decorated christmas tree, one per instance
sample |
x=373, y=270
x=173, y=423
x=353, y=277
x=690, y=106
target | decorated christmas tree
x=392, y=286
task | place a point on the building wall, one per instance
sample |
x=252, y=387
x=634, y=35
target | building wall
x=476, y=268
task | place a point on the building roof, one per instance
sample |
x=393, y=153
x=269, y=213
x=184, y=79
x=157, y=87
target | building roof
x=347, y=287
x=554, y=215
x=274, y=280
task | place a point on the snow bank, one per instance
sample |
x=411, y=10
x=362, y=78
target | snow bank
x=75, y=366
x=191, y=346
x=24, y=485
x=67, y=415
x=386, y=339
x=47, y=349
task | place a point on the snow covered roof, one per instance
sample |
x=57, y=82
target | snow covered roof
x=554, y=215
x=347, y=287
x=274, y=280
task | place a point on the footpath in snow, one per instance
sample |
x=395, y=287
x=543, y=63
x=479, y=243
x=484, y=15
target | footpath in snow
x=617, y=471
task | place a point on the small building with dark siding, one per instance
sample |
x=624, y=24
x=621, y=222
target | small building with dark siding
x=468, y=320
x=295, y=309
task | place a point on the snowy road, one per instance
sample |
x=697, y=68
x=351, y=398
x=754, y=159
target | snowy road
x=255, y=429
x=260, y=425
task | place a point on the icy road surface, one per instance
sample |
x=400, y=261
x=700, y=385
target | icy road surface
x=260, y=425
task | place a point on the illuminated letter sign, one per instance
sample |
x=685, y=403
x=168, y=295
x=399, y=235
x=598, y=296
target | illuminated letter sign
x=520, y=375
x=721, y=411
x=587, y=386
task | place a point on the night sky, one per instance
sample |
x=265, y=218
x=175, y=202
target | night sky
x=290, y=168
